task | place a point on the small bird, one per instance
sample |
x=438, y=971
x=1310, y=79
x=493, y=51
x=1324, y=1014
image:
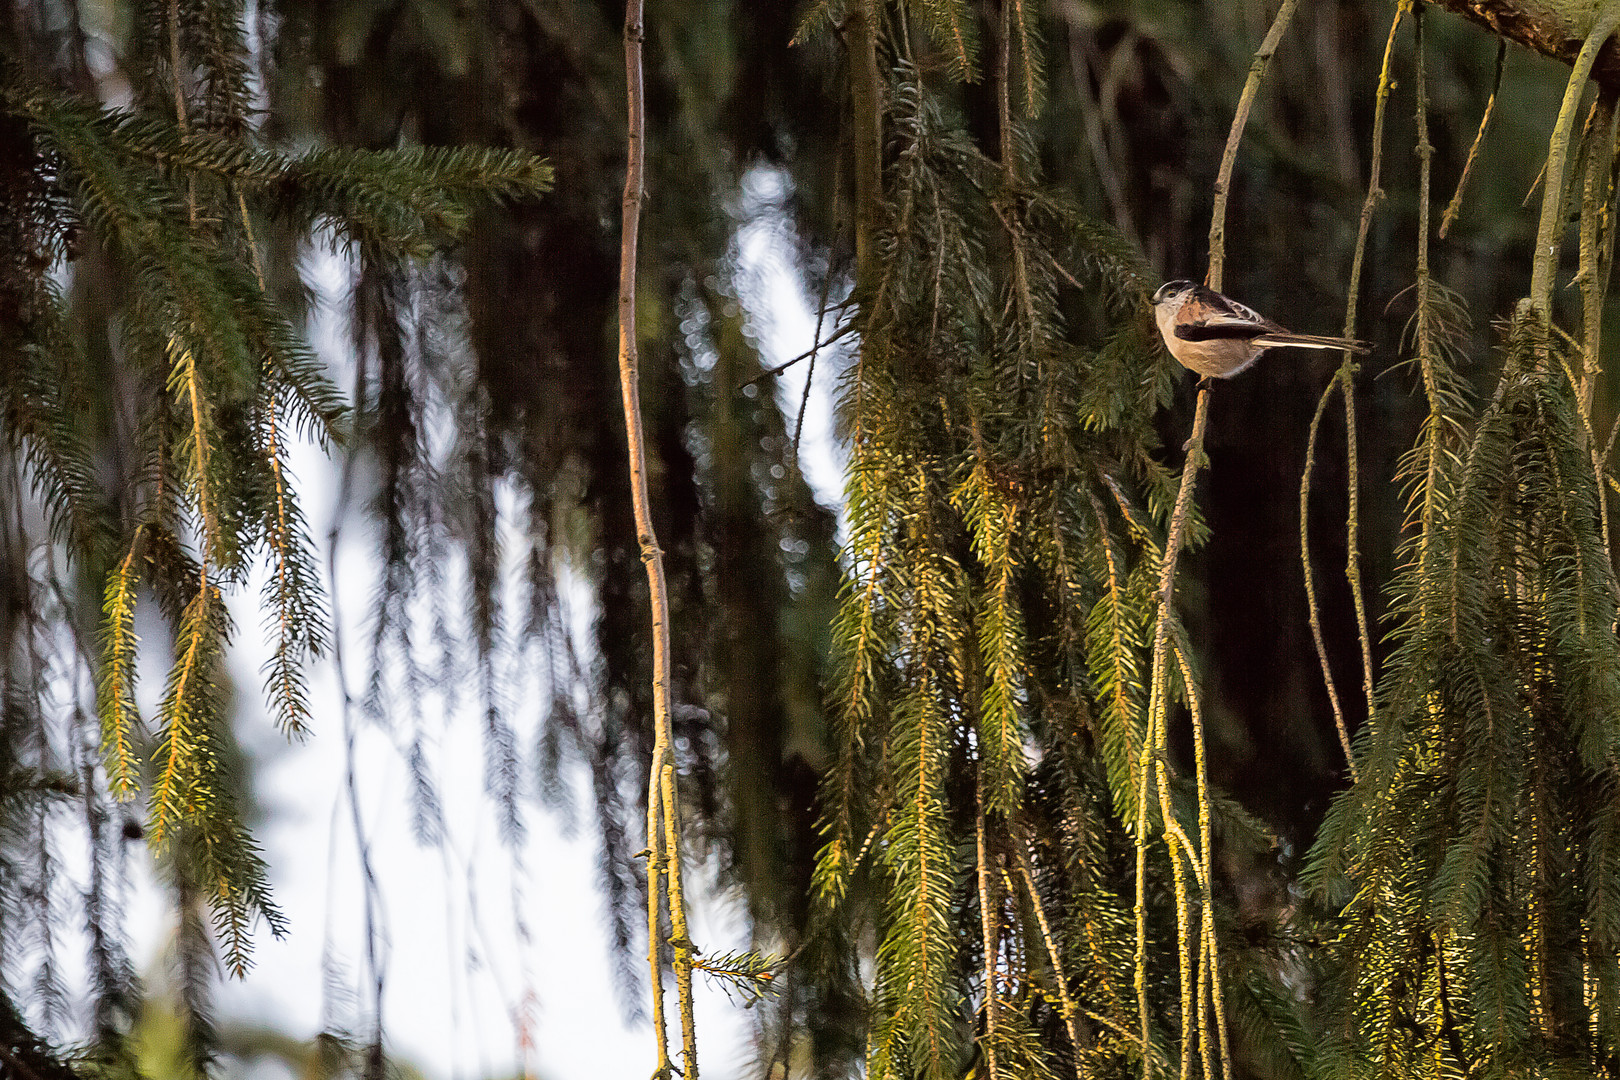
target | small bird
x=1217, y=337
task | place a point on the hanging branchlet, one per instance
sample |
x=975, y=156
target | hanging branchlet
x=1007, y=514
x=1151, y=768
x=1462, y=842
x=222, y=380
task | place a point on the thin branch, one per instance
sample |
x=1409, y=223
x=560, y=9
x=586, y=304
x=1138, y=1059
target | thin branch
x=771, y=372
x=1597, y=147
x=1177, y=533
x=1240, y=119
x=1312, y=606
x=662, y=844
x=1347, y=369
x=1550, y=229
x=1479, y=139
x=680, y=937
x=810, y=372
x=1596, y=258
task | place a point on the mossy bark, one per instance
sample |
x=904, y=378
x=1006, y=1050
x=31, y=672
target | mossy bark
x=1555, y=28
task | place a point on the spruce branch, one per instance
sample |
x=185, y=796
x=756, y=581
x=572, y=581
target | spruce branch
x=950, y=23
x=119, y=643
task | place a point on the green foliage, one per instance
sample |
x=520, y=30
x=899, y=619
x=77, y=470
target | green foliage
x=1006, y=507
x=219, y=380
x=1475, y=868
x=1007, y=502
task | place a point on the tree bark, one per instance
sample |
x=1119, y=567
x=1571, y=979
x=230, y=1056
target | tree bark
x=1555, y=28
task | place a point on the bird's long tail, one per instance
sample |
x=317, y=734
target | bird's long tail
x=1310, y=341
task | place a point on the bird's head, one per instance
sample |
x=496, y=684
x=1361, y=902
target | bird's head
x=1173, y=292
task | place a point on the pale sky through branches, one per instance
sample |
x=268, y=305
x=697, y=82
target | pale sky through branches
x=458, y=968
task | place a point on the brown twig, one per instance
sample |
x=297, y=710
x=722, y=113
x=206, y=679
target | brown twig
x=1343, y=378
x=1479, y=139
x=662, y=843
x=1346, y=378
x=1312, y=607
x=1240, y=120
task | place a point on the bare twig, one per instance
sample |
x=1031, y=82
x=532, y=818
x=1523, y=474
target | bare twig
x=1596, y=236
x=1346, y=379
x=1479, y=139
x=663, y=859
x=1240, y=120
x=1312, y=607
x=772, y=372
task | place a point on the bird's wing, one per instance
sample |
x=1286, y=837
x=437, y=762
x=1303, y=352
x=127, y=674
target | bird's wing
x=1207, y=314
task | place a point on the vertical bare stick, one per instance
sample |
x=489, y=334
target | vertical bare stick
x=1312, y=607
x=1375, y=194
x=1597, y=146
x=662, y=851
x=989, y=925
x=1479, y=140
x=680, y=937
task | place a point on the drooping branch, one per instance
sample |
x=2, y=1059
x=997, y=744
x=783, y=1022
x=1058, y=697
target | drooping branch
x=1553, y=199
x=1154, y=745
